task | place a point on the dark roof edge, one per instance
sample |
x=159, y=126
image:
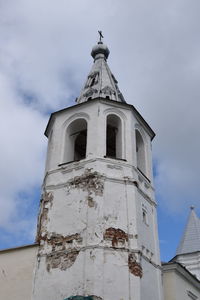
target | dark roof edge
x=102, y=100
x=18, y=247
x=175, y=257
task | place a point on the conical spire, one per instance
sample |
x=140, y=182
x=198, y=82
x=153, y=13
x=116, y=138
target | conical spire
x=190, y=241
x=100, y=81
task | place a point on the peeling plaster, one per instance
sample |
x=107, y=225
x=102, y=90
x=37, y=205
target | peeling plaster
x=61, y=260
x=116, y=236
x=63, y=252
x=48, y=198
x=60, y=242
x=134, y=267
x=91, y=202
x=46, y=204
x=88, y=181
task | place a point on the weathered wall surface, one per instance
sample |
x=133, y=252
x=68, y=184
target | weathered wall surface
x=92, y=236
x=16, y=272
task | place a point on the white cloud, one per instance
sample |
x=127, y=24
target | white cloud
x=44, y=60
x=22, y=156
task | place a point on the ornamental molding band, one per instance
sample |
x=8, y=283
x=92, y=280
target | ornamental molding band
x=108, y=90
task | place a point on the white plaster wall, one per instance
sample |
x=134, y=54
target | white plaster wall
x=101, y=266
x=100, y=272
x=98, y=264
x=176, y=287
x=151, y=286
x=16, y=273
x=95, y=113
x=147, y=232
x=169, y=286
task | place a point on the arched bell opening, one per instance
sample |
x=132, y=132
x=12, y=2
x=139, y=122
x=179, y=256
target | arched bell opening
x=140, y=153
x=76, y=141
x=80, y=144
x=113, y=137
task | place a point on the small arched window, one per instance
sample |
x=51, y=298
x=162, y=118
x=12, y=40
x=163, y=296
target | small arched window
x=140, y=153
x=92, y=81
x=113, y=137
x=76, y=141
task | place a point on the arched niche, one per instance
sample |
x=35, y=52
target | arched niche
x=140, y=152
x=76, y=140
x=113, y=136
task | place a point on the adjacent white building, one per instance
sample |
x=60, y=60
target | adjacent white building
x=182, y=274
x=188, y=251
x=97, y=232
x=16, y=272
x=179, y=283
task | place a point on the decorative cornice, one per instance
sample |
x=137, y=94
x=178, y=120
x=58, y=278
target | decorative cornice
x=181, y=270
x=19, y=248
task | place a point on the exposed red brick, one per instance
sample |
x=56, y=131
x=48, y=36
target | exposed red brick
x=115, y=235
x=134, y=267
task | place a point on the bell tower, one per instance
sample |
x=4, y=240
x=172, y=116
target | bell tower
x=97, y=226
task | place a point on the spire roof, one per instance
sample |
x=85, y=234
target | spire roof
x=190, y=241
x=100, y=81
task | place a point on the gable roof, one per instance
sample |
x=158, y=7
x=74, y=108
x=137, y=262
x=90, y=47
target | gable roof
x=190, y=241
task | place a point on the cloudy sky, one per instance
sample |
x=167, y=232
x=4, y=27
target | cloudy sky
x=44, y=60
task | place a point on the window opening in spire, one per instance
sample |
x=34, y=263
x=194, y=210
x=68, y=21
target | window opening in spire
x=92, y=79
x=140, y=153
x=113, y=137
x=76, y=141
x=92, y=82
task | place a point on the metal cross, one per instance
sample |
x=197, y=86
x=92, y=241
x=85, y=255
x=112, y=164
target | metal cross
x=100, y=35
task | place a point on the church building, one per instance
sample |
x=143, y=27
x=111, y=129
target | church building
x=181, y=276
x=97, y=235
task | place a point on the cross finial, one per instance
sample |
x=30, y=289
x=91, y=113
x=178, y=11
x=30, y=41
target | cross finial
x=100, y=35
